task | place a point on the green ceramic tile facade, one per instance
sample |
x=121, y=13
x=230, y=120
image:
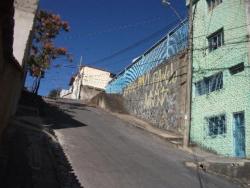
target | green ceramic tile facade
x=235, y=94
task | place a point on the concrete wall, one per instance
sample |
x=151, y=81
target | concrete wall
x=25, y=11
x=10, y=84
x=12, y=71
x=75, y=92
x=65, y=93
x=159, y=96
x=87, y=93
x=110, y=102
x=1, y=50
x=67, y=96
x=234, y=96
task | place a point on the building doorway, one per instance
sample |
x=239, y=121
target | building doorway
x=239, y=134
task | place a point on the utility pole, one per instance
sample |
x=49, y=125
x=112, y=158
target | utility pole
x=80, y=64
x=80, y=79
x=186, y=138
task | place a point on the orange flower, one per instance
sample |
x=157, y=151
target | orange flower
x=62, y=51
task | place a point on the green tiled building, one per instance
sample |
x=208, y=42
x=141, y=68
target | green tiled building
x=221, y=77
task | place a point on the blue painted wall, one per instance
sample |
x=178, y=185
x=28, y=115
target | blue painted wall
x=175, y=41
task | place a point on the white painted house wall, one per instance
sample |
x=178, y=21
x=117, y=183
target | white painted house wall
x=25, y=11
x=76, y=87
x=87, y=76
x=95, y=78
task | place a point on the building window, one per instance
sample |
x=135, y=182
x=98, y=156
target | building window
x=213, y=3
x=210, y=84
x=216, y=40
x=216, y=125
x=237, y=68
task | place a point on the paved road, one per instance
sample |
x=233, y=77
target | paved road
x=108, y=153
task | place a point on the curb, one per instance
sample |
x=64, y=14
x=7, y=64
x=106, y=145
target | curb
x=64, y=171
x=232, y=171
x=209, y=168
x=173, y=140
x=63, y=163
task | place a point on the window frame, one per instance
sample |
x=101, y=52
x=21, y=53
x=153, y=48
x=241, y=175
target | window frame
x=213, y=36
x=212, y=4
x=221, y=131
x=208, y=83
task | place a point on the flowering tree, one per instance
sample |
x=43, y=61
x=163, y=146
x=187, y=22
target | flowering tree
x=43, y=51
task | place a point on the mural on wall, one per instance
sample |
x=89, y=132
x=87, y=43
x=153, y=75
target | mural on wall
x=159, y=96
x=174, y=42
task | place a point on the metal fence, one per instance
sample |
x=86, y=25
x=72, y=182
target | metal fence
x=175, y=41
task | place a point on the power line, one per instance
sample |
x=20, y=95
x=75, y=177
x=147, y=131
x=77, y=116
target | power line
x=162, y=60
x=198, y=49
x=134, y=45
x=181, y=41
x=204, y=48
x=115, y=29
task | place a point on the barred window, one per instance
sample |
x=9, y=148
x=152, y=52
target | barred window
x=216, y=40
x=213, y=3
x=210, y=84
x=216, y=125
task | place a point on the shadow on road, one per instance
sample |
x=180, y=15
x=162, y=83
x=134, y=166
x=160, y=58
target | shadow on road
x=59, y=118
x=30, y=155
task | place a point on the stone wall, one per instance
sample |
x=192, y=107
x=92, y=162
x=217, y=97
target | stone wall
x=160, y=95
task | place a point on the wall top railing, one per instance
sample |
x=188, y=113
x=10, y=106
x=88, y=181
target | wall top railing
x=172, y=43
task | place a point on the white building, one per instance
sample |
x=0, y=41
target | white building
x=87, y=83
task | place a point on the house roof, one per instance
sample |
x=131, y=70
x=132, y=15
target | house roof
x=97, y=68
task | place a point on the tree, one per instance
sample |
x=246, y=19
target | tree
x=43, y=51
x=54, y=93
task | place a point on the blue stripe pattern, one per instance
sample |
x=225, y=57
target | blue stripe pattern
x=175, y=41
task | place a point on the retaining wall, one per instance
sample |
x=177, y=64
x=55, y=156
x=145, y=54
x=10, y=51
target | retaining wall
x=160, y=95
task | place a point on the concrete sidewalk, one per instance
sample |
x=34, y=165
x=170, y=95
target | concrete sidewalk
x=172, y=137
x=233, y=168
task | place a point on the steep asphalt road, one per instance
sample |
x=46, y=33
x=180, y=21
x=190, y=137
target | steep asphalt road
x=108, y=153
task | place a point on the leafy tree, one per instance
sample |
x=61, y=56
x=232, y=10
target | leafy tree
x=54, y=93
x=43, y=51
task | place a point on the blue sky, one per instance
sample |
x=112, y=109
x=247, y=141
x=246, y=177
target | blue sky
x=99, y=28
